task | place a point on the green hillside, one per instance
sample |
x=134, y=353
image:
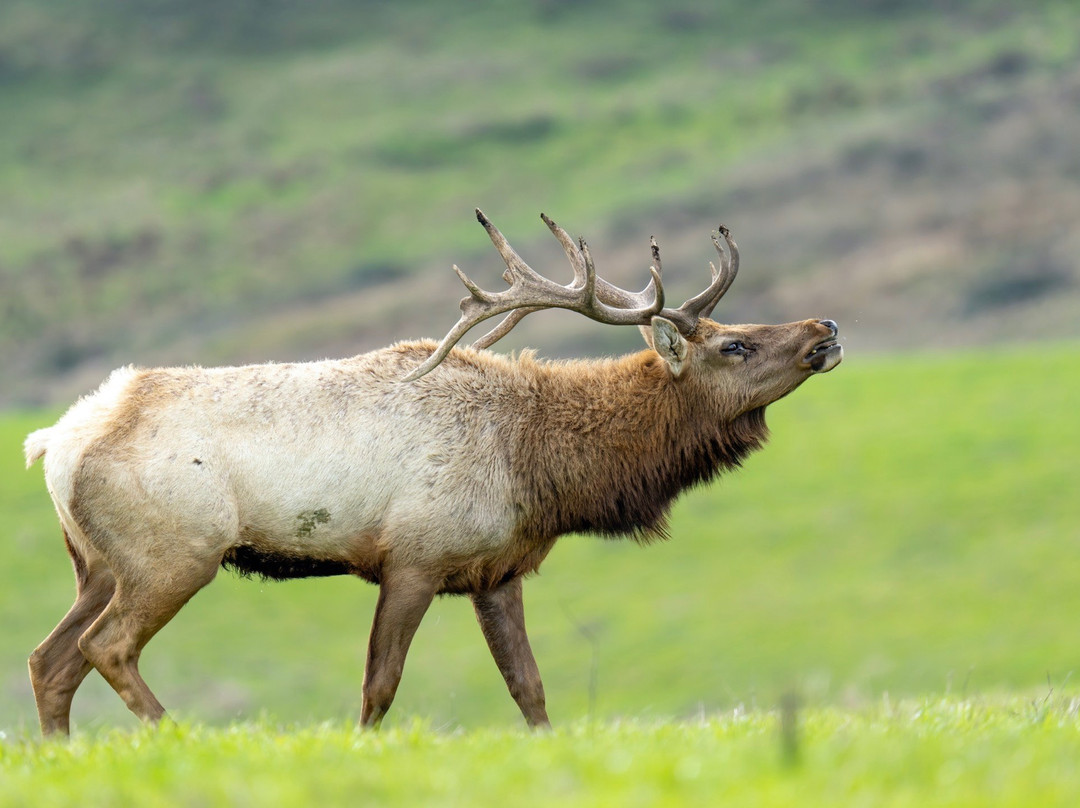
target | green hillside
x=909, y=530
x=218, y=182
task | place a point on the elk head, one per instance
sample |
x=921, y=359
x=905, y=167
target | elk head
x=752, y=364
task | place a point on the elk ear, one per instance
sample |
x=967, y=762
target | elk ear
x=666, y=340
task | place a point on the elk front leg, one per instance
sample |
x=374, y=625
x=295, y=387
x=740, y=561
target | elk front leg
x=404, y=597
x=501, y=614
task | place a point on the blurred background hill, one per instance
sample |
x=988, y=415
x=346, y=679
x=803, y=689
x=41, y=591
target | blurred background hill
x=219, y=182
x=238, y=180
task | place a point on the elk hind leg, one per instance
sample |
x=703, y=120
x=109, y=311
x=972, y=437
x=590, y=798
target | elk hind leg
x=501, y=615
x=57, y=666
x=138, y=610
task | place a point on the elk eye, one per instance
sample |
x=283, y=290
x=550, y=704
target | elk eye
x=734, y=348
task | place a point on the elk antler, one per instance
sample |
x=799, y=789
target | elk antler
x=587, y=294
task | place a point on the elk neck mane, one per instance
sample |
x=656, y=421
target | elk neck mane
x=610, y=445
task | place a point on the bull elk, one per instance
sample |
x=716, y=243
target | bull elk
x=424, y=468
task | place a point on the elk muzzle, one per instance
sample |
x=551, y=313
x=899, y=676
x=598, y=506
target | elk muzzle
x=826, y=353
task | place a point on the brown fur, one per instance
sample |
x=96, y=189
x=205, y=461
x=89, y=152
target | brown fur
x=609, y=446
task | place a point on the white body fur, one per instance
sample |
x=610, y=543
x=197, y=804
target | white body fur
x=325, y=460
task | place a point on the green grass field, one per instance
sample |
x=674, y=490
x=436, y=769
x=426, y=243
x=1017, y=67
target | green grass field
x=907, y=538
x=936, y=753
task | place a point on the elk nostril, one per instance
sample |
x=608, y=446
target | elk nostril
x=831, y=325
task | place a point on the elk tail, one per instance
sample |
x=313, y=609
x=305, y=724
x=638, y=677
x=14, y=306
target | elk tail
x=36, y=444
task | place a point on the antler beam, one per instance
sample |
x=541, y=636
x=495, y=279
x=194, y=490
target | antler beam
x=586, y=294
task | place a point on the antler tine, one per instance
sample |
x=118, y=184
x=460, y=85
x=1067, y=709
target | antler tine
x=732, y=265
x=701, y=305
x=615, y=296
x=573, y=252
x=515, y=266
x=505, y=326
x=588, y=289
x=607, y=292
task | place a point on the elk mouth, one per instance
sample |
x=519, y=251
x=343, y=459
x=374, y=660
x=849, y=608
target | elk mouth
x=824, y=356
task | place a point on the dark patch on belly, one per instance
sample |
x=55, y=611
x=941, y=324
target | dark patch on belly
x=248, y=561
x=309, y=520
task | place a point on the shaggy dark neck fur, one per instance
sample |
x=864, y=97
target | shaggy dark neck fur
x=608, y=453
